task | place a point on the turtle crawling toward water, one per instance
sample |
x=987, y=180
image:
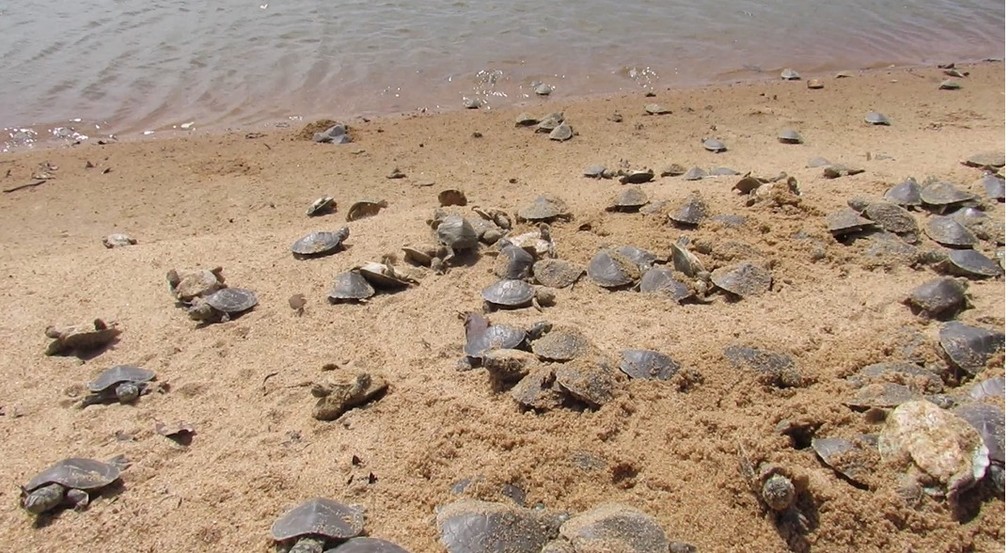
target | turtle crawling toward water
x=69, y=481
x=222, y=305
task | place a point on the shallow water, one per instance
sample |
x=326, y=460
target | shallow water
x=74, y=69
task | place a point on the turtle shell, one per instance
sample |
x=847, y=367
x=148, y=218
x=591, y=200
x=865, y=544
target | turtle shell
x=991, y=387
x=457, y=233
x=544, y=208
x=76, y=473
x=612, y=270
x=471, y=526
x=591, y=381
x=550, y=122
x=989, y=421
x=366, y=545
x=616, y=527
x=714, y=145
x=232, y=300
x=876, y=118
x=513, y=263
x=383, y=276
x=321, y=206
x=695, y=173
x=685, y=261
x=915, y=377
x=817, y=162
x=846, y=221
x=948, y=232
x=562, y=132
x=744, y=279
x=661, y=280
x=882, y=395
x=969, y=347
x=993, y=186
x=906, y=193
x=789, y=136
x=949, y=84
x=631, y=198
x=556, y=273
x=981, y=224
x=892, y=218
x=986, y=160
x=479, y=341
x=643, y=258
x=672, y=170
x=942, y=194
x=973, y=263
x=561, y=344
x=320, y=242
x=594, y=171
x=509, y=293
x=525, y=120
x=319, y=517
x=851, y=459
x=723, y=172
x=647, y=364
x=656, y=109
x=365, y=208
x=350, y=286
x=452, y=197
x=119, y=374
x=690, y=213
x=789, y=74
x=939, y=298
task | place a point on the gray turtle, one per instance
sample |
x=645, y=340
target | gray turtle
x=988, y=388
x=630, y=199
x=561, y=343
x=222, y=305
x=384, y=275
x=876, y=118
x=423, y=254
x=590, y=381
x=513, y=263
x=69, y=481
x=550, y=122
x=743, y=280
x=188, y=285
x=594, y=171
x=456, y=234
x=662, y=280
x=118, y=240
x=610, y=269
x=321, y=206
x=714, y=145
x=915, y=377
x=989, y=421
x=643, y=258
x=316, y=522
x=656, y=109
x=336, y=134
x=122, y=383
x=969, y=347
x=881, y=395
x=647, y=364
x=940, y=298
x=847, y=222
x=789, y=136
x=350, y=286
x=615, y=527
x=515, y=294
x=789, y=74
x=367, y=545
x=817, y=162
x=80, y=338
x=972, y=263
x=723, y=172
x=689, y=214
x=685, y=261
x=544, y=209
x=473, y=526
x=892, y=218
x=319, y=243
x=991, y=160
x=481, y=336
x=525, y=120
x=472, y=102
x=849, y=458
x=695, y=173
x=562, y=132
x=906, y=193
x=556, y=273
x=949, y=84
x=941, y=195
x=980, y=224
x=948, y=232
x=672, y=170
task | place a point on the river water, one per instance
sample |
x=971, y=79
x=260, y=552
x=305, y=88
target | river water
x=132, y=67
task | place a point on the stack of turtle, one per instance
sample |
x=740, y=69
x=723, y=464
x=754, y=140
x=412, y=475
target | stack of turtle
x=206, y=298
x=553, y=124
x=322, y=524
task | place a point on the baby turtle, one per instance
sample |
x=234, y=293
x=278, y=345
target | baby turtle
x=980, y=224
x=743, y=280
x=876, y=118
x=456, y=234
x=472, y=102
x=817, y=162
x=222, y=305
x=948, y=232
x=613, y=527
x=656, y=109
x=789, y=136
x=118, y=240
x=561, y=344
x=890, y=217
x=544, y=209
x=972, y=263
x=991, y=161
x=320, y=243
x=849, y=458
x=789, y=74
x=350, y=286
x=336, y=134
x=685, y=261
x=940, y=298
x=481, y=336
x=423, y=254
x=556, y=273
x=542, y=89
x=525, y=120
x=672, y=170
x=562, y=132
x=122, y=383
x=695, y=173
x=384, y=275
x=539, y=243
x=838, y=170
x=630, y=199
x=636, y=176
x=550, y=122
x=941, y=195
x=662, y=280
x=949, y=84
x=643, y=258
x=451, y=197
x=365, y=208
x=846, y=222
x=689, y=214
x=513, y=262
x=69, y=481
x=321, y=206
x=515, y=294
x=714, y=145
x=647, y=364
x=993, y=186
x=610, y=269
x=815, y=84
x=969, y=347
x=594, y=171
x=80, y=338
x=367, y=545
x=310, y=526
x=190, y=285
x=905, y=194
x=989, y=421
x=473, y=526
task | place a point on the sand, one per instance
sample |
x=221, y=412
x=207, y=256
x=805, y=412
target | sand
x=671, y=449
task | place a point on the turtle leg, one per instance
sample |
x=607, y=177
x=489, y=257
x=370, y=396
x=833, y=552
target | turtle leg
x=437, y=264
x=225, y=317
x=42, y=499
x=78, y=498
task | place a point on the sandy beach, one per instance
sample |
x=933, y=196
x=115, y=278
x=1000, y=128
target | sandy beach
x=668, y=448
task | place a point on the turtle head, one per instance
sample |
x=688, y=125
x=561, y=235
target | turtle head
x=127, y=392
x=201, y=312
x=173, y=279
x=42, y=499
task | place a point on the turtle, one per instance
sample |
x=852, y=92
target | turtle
x=118, y=240
x=81, y=338
x=321, y=206
x=672, y=170
x=365, y=208
x=949, y=84
x=969, y=347
x=350, y=286
x=309, y=526
x=319, y=243
x=122, y=383
x=384, y=275
x=525, y=120
x=647, y=364
x=539, y=242
x=345, y=392
x=910, y=374
x=636, y=176
x=550, y=122
x=451, y=197
x=991, y=160
x=69, y=481
x=423, y=254
x=610, y=269
x=881, y=395
x=513, y=262
x=815, y=84
x=562, y=132
x=695, y=173
x=614, y=527
x=481, y=336
x=876, y=118
x=336, y=134
x=948, y=232
x=989, y=422
x=515, y=294
x=456, y=234
x=952, y=72
x=556, y=273
x=905, y=194
x=723, y=172
x=743, y=280
x=789, y=74
x=939, y=298
x=892, y=218
x=544, y=209
x=993, y=186
x=594, y=171
x=980, y=224
x=849, y=458
x=942, y=195
x=776, y=369
x=222, y=305
x=542, y=89
x=714, y=145
x=837, y=170
x=472, y=102
x=643, y=258
x=846, y=222
x=662, y=280
x=367, y=545
x=972, y=263
x=689, y=214
x=789, y=136
x=470, y=526
x=630, y=199
x=685, y=261
x=656, y=109
x=189, y=285
x=991, y=387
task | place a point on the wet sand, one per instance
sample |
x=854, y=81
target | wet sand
x=670, y=449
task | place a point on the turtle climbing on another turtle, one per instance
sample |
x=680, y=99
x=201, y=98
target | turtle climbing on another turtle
x=69, y=481
x=189, y=285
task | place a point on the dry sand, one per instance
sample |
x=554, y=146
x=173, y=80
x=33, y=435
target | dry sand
x=667, y=449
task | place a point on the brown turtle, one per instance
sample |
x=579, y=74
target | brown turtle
x=80, y=338
x=544, y=209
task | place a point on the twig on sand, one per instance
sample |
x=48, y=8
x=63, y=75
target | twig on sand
x=29, y=185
